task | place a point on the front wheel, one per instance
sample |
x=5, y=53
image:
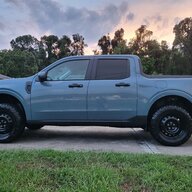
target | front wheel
x=171, y=125
x=12, y=122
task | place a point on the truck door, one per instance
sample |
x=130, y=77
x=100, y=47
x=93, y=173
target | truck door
x=112, y=94
x=63, y=95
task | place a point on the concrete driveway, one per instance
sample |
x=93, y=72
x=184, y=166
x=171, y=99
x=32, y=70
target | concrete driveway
x=93, y=138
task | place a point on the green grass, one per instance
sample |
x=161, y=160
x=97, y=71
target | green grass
x=50, y=170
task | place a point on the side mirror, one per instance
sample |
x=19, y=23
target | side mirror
x=42, y=76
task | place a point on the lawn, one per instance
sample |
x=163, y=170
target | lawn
x=50, y=170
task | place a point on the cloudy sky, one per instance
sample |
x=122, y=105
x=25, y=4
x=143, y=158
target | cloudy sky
x=90, y=18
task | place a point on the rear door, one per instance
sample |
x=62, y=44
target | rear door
x=112, y=94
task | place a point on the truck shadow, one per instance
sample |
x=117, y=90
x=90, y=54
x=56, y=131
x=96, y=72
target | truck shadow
x=95, y=139
x=91, y=135
x=87, y=134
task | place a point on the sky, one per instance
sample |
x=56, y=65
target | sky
x=90, y=18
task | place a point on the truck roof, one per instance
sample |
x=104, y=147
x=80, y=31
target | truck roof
x=104, y=56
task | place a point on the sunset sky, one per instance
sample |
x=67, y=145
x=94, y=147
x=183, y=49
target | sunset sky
x=90, y=18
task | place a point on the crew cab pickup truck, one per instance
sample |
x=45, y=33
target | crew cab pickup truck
x=98, y=90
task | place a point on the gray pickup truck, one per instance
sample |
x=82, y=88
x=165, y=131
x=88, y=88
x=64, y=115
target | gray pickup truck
x=98, y=90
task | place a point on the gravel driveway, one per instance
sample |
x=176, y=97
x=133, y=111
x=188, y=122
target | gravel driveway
x=93, y=138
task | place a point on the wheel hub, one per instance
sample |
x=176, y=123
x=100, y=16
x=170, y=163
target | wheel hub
x=170, y=126
x=5, y=123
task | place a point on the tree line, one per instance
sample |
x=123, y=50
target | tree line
x=29, y=55
x=157, y=58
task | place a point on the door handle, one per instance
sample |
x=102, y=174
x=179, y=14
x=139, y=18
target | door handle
x=75, y=85
x=122, y=84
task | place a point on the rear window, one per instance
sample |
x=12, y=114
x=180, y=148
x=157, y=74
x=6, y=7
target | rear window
x=112, y=69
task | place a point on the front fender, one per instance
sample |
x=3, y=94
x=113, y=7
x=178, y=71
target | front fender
x=24, y=100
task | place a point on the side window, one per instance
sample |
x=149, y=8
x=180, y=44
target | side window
x=112, y=69
x=70, y=70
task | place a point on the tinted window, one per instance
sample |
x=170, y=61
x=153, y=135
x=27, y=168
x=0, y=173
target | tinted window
x=112, y=69
x=70, y=70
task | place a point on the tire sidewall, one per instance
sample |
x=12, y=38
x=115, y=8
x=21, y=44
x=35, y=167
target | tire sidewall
x=18, y=124
x=177, y=111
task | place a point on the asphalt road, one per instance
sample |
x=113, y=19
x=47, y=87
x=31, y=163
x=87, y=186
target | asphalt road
x=131, y=140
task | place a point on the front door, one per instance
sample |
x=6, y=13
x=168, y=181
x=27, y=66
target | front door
x=63, y=95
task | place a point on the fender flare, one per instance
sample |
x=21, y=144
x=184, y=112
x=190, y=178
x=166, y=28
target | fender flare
x=17, y=96
x=166, y=93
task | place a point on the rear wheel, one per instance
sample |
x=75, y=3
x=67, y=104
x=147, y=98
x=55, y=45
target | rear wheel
x=12, y=123
x=171, y=125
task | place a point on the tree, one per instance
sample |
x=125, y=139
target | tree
x=25, y=43
x=32, y=45
x=118, y=38
x=183, y=37
x=148, y=49
x=50, y=44
x=78, y=45
x=144, y=46
x=41, y=57
x=28, y=54
x=119, y=44
x=96, y=52
x=183, y=44
x=105, y=44
x=164, y=59
x=121, y=48
x=138, y=45
x=148, y=65
x=17, y=63
x=178, y=64
x=64, y=44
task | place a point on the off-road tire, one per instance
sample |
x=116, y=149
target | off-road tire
x=171, y=125
x=12, y=122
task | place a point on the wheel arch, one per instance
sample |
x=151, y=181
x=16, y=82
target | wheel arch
x=12, y=99
x=170, y=99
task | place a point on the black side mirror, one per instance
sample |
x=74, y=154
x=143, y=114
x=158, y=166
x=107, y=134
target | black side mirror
x=42, y=76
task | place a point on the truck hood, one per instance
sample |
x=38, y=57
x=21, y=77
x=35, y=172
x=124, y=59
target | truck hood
x=15, y=83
